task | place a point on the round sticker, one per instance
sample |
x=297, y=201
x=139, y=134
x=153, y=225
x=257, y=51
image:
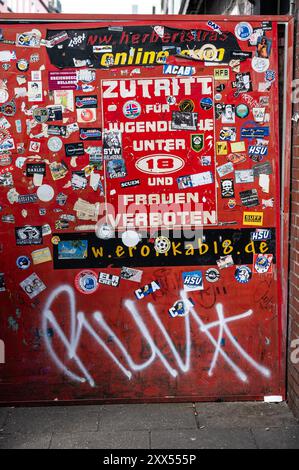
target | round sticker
x=86, y=282
x=242, y=111
x=23, y=65
x=40, y=114
x=220, y=87
x=212, y=275
x=55, y=144
x=55, y=240
x=243, y=274
x=132, y=109
x=162, y=245
x=171, y=100
x=3, y=95
x=130, y=238
x=186, y=106
x=206, y=103
x=218, y=97
x=104, y=231
x=243, y=31
x=23, y=262
x=45, y=193
x=231, y=203
x=263, y=263
x=86, y=115
x=259, y=64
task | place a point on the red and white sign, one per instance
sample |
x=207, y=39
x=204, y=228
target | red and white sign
x=161, y=121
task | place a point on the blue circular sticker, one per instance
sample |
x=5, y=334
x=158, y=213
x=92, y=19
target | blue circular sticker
x=206, y=104
x=243, y=31
x=243, y=274
x=23, y=262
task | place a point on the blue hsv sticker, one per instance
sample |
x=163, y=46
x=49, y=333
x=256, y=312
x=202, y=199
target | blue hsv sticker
x=23, y=262
x=193, y=281
x=261, y=235
x=260, y=150
x=243, y=274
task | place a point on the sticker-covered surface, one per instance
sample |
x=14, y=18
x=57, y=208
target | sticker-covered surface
x=139, y=168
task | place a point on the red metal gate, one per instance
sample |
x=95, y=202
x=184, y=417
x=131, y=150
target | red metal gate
x=140, y=209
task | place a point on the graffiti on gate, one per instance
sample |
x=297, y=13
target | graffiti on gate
x=79, y=323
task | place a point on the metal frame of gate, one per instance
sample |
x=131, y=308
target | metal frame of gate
x=286, y=23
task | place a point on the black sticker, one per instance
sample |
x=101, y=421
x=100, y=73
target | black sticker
x=83, y=102
x=74, y=149
x=88, y=133
x=227, y=188
x=55, y=113
x=262, y=169
x=184, y=121
x=129, y=184
x=240, y=55
x=35, y=168
x=249, y=198
x=29, y=235
x=27, y=198
x=103, y=253
x=131, y=45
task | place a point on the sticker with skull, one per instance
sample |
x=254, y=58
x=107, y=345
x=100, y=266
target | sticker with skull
x=227, y=188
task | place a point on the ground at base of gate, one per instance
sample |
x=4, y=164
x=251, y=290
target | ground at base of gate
x=151, y=426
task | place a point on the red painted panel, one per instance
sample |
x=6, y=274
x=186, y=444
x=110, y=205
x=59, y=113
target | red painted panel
x=113, y=345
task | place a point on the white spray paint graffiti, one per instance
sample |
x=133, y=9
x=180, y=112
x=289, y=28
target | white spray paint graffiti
x=79, y=322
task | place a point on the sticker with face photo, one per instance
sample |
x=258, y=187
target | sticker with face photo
x=242, y=84
x=112, y=145
x=228, y=115
x=184, y=121
x=263, y=47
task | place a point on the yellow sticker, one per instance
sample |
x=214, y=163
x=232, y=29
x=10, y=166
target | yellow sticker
x=221, y=74
x=253, y=218
x=41, y=256
x=238, y=147
x=221, y=148
x=55, y=240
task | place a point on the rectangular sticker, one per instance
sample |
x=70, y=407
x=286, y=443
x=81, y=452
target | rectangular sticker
x=253, y=218
x=41, y=256
x=29, y=235
x=193, y=281
x=72, y=249
x=33, y=285
x=130, y=274
x=108, y=279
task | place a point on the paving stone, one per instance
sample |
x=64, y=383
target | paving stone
x=245, y=414
x=49, y=419
x=134, y=417
x=277, y=438
x=25, y=441
x=207, y=438
x=102, y=440
x=3, y=416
